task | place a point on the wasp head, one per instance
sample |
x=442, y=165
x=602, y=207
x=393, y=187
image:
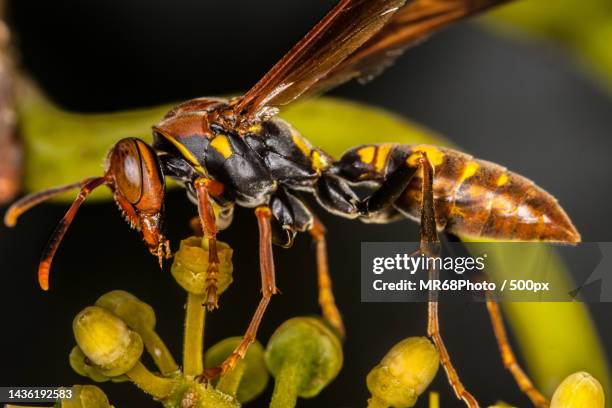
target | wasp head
x=135, y=177
x=134, y=174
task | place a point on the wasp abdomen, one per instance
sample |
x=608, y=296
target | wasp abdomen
x=480, y=199
x=473, y=198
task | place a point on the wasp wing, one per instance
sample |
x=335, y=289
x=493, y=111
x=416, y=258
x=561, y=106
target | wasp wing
x=408, y=27
x=343, y=30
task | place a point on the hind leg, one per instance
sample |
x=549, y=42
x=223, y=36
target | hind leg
x=508, y=357
x=430, y=245
x=380, y=202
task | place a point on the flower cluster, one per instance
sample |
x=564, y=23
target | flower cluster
x=303, y=355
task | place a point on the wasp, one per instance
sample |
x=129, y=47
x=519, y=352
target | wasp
x=229, y=152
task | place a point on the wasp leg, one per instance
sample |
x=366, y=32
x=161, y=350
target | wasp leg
x=508, y=356
x=268, y=288
x=209, y=226
x=326, y=295
x=430, y=245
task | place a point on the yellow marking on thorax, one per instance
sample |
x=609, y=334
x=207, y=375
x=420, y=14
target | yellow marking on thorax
x=434, y=155
x=382, y=153
x=186, y=153
x=366, y=154
x=503, y=179
x=221, y=144
x=304, y=146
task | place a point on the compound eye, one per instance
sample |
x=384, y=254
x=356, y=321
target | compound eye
x=126, y=169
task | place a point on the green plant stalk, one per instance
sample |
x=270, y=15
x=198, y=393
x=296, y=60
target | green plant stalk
x=158, y=387
x=159, y=351
x=230, y=382
x=287, y=382
x=375, y=402
x=61, y=145
x=193, y=394
x=193, y=346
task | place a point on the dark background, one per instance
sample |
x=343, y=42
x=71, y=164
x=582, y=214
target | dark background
x=524, y=106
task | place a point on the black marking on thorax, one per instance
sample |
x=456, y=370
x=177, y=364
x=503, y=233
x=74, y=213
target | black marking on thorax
x=285, y=153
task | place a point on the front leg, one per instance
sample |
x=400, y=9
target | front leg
x=205, y=188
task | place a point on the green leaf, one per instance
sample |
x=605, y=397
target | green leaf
x=584, y=28
x=337, y=124
x=63, y=147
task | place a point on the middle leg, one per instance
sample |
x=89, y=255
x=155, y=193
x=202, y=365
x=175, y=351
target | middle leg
x=326, y=295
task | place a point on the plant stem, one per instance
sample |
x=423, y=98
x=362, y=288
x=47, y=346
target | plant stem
x=287, y=384
x=230, y=382
x=193, y=345
x=159, y=352
x=376, y=402
x=144, y=379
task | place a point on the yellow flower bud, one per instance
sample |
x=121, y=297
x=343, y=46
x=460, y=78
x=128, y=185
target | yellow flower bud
x=79, y=364
x=82, y=366
x=107, y=341
x=191, y=263
x=136, y=313
x=140, y=317
x=86, y=396
x=579, y=390
x=255, y=374
x=304, y=356
x=404, y=373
